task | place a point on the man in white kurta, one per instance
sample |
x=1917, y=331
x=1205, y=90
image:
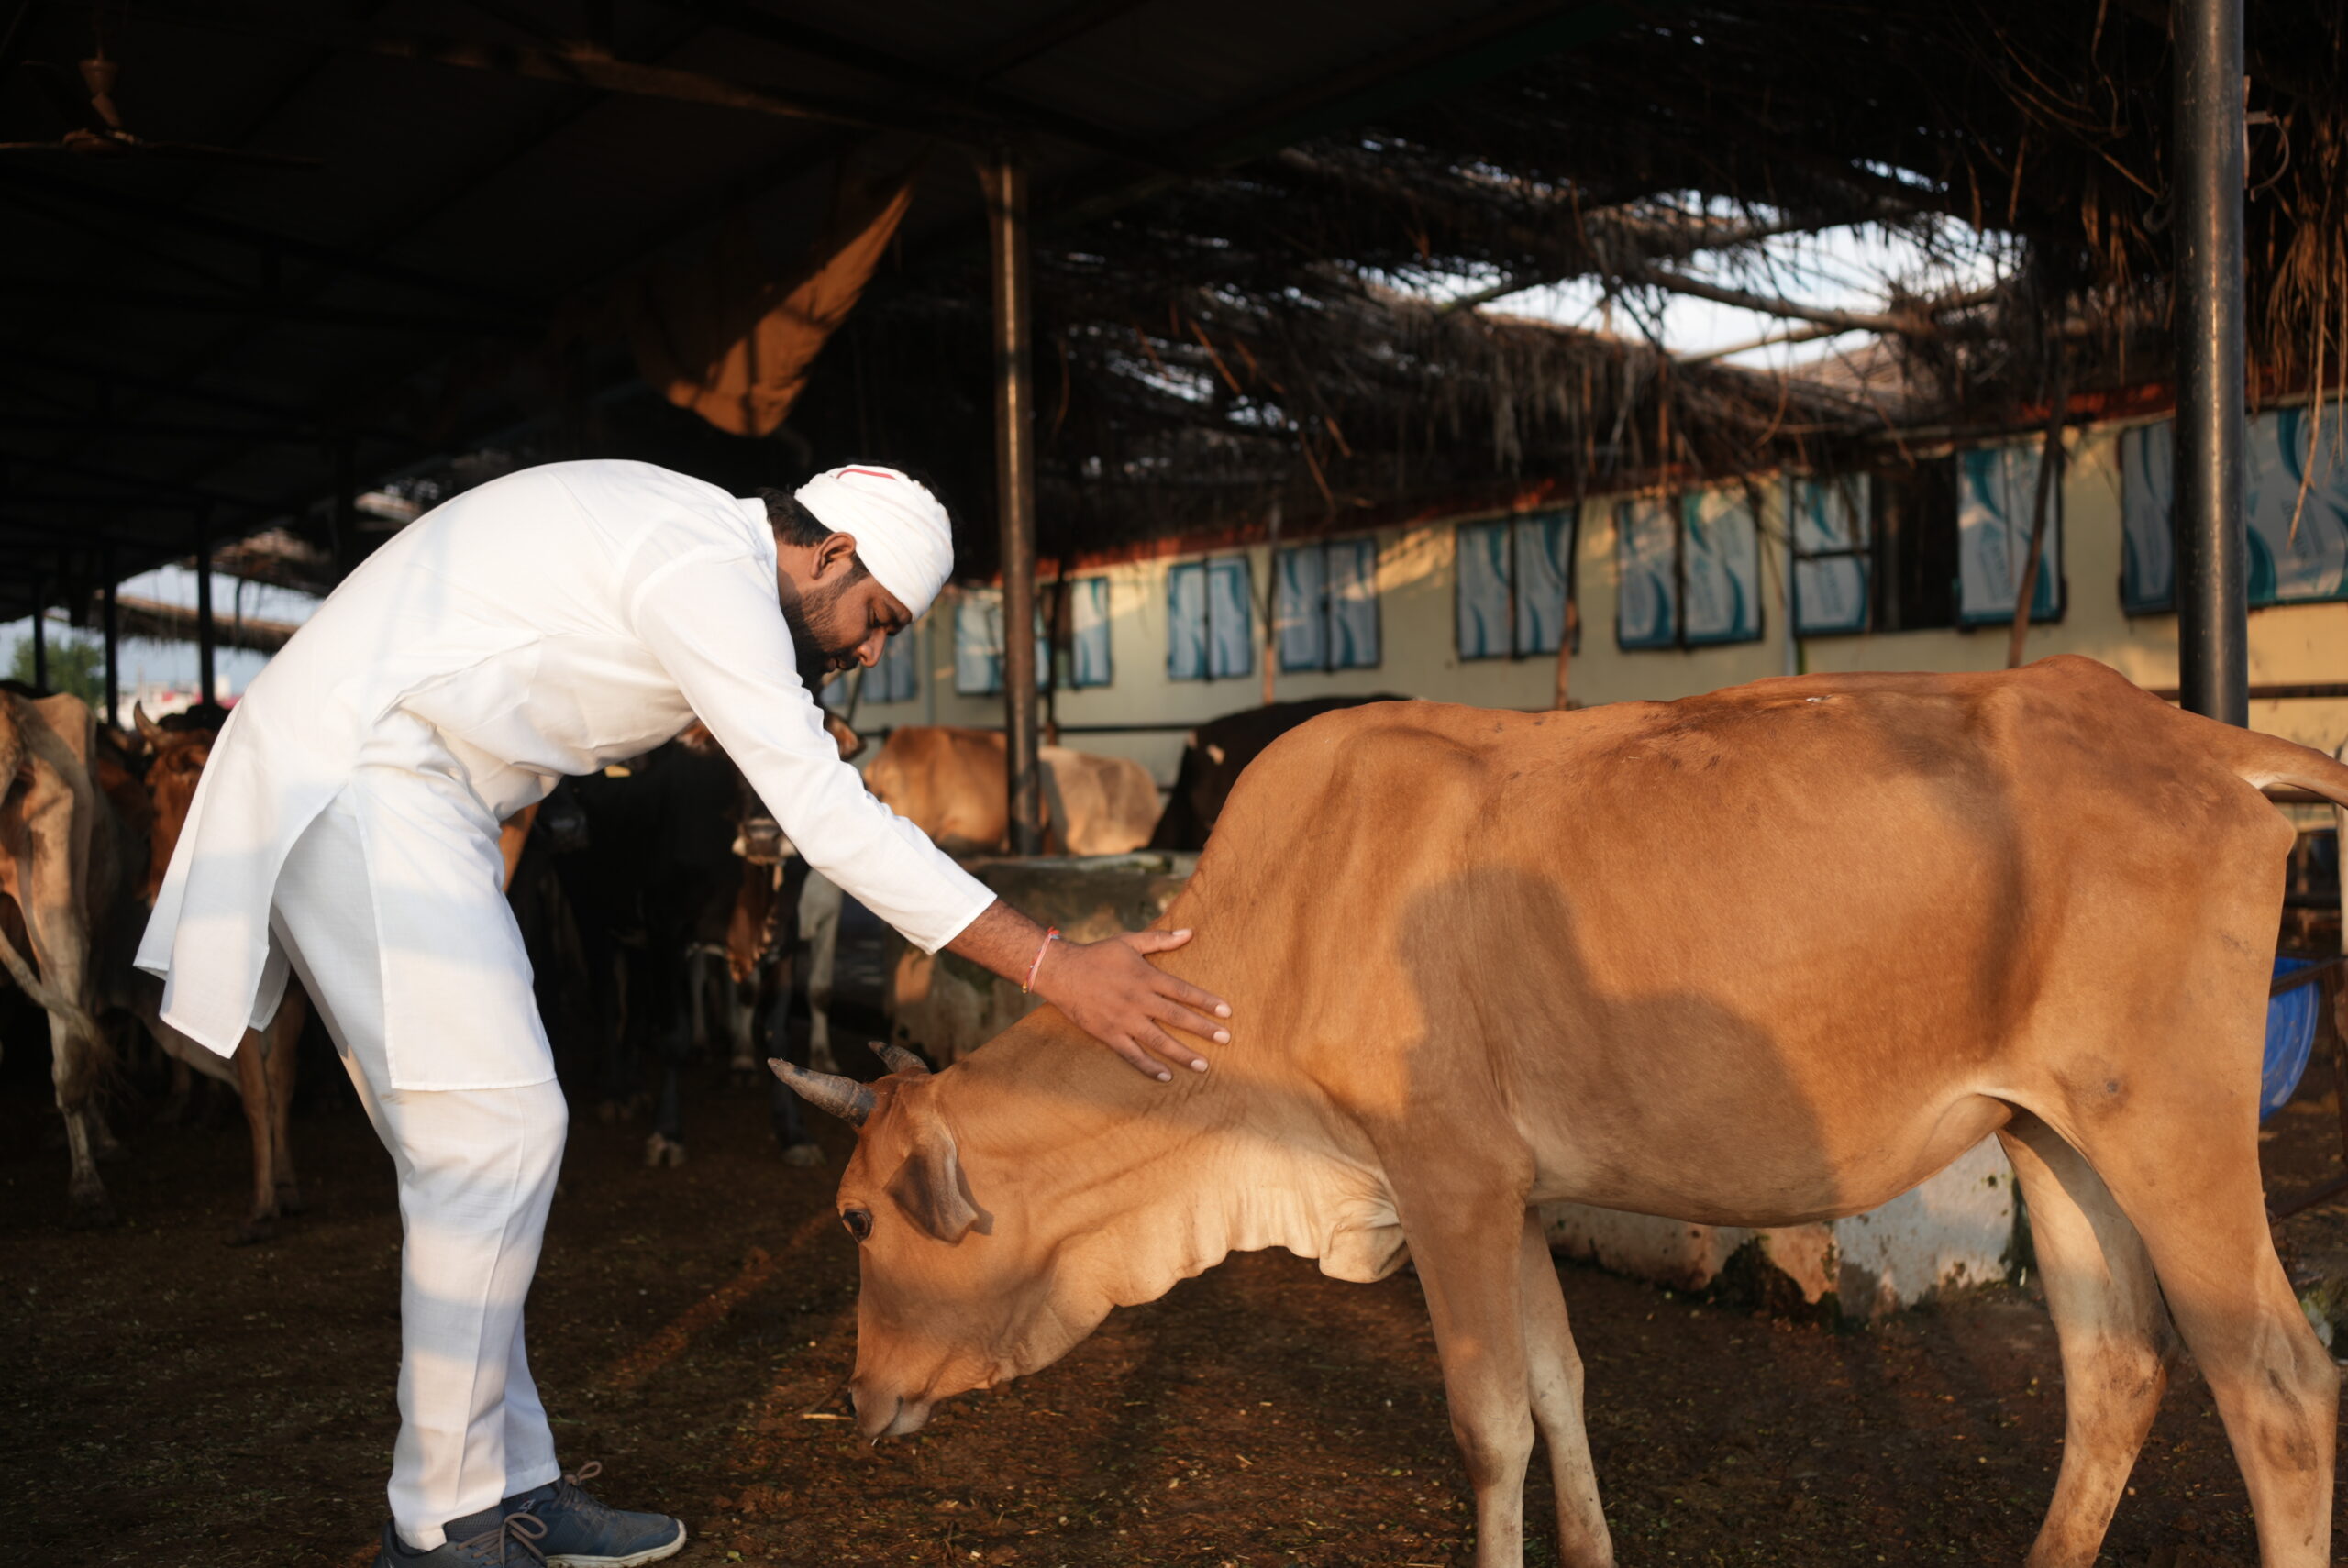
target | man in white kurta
x=346, y=829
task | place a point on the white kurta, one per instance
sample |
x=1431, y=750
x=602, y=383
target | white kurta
x=548, y=623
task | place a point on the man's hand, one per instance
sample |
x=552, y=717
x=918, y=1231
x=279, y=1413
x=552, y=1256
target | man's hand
x=1117, y=996
x=1110, y=990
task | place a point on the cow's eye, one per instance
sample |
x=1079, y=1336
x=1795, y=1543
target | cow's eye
x=859, y=1223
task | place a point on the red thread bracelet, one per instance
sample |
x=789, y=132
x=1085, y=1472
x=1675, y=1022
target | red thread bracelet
x=1050, y=937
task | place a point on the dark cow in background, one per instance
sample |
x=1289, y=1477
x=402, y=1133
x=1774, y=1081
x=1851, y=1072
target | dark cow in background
x=1218, y=752
x=628, y=884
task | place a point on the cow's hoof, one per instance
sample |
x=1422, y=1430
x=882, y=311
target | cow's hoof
x=91, y=1213
x=805, y=1155
x=662, y=1150
x=290, y=1201
x=252, y=1232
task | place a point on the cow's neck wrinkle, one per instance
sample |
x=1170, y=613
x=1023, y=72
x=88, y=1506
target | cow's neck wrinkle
x=1148, y=1184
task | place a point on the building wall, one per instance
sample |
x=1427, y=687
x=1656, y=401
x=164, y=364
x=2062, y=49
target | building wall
x=2289, y=644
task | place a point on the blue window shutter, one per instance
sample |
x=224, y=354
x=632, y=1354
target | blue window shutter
x=1231, y=640
x=1186, y=622
x=1353, y=604
x=1482, y=587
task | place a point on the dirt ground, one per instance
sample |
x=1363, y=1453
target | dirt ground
x=166, y=1399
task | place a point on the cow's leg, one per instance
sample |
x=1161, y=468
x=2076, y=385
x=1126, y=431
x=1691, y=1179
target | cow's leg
x=86, y=1204
x=819, y=914
x=252, y=1085
x=175, y=1103
x=697, y=997
x=1466, y=1241
x=743, y=998
x=285, y=1037
x=2186, y=1170
x=785, y=1110
x=2113, y=1331
x=1554, y=1383
x=666, y=1145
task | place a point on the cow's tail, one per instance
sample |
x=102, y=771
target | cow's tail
x=2271, y=763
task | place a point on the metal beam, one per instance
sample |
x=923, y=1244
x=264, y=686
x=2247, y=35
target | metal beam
x=1047, y=34
x=40, y=633
x=961, y=92
x=580, y=66
x=206, y=632
x=157, y=429
x=46, y=292
x=1015, y=449
x=2212, y=600
x=111, y=619
x=267, y=241
x=156, y=620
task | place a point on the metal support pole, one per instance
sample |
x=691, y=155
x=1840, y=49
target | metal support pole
x=2212, y=606
x=1015, y=449
x=40, y=633
x=112, y=627
x=346, y=508
x=205, y=631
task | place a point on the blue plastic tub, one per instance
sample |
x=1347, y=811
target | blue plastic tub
x=2290, y=1035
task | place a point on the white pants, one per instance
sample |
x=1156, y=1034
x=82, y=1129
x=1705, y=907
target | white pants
x=477, y=1170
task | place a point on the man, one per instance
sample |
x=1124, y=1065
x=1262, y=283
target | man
x=547, y=624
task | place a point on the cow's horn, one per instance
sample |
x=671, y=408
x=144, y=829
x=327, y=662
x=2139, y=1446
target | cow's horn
x=898, y=1059
x=146, y=726
x=844, y=1097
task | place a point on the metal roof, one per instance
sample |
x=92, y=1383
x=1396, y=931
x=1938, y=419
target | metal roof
x=200, y=341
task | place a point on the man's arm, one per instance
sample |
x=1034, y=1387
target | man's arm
x=1109, y=989
x=715, y=628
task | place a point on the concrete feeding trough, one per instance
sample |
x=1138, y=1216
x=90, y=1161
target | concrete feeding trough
x=949, y=1007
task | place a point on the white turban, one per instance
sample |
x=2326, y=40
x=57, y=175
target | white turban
x=901, y=532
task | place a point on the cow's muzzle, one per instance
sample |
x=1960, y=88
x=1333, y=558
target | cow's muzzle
x=880, y=1415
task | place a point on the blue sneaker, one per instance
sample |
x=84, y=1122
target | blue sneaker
x=577, y=1532
x=491, y=1539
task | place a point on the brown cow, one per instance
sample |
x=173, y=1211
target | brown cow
x=954, y=785
x=263, y=1068
x=49, y=816
x=1763, y=957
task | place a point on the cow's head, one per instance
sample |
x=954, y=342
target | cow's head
x=177, y=762
x=953, y=1298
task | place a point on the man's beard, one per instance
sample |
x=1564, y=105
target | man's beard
x=816, y=663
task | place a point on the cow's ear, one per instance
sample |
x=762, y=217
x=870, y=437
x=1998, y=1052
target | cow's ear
x=930, y=1186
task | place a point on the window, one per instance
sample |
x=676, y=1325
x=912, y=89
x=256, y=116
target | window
x=978, y=644
x=1327, y=612
x=1830, y=521
x=1515, y=579
x=1913, y=514
x=1087, y=654
x=1210, y=620
x=897, y=676
x=1997, y=502
x=2297, y=551
x=1690, y=568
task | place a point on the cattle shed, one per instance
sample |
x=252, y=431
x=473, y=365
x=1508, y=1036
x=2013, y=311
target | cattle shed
x=1228, y=333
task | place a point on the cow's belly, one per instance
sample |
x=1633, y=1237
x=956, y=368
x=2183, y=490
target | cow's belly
x=1762, y=1169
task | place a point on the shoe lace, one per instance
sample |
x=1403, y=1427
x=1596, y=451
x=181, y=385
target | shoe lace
x=575, y=1496
x=515, y=1530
